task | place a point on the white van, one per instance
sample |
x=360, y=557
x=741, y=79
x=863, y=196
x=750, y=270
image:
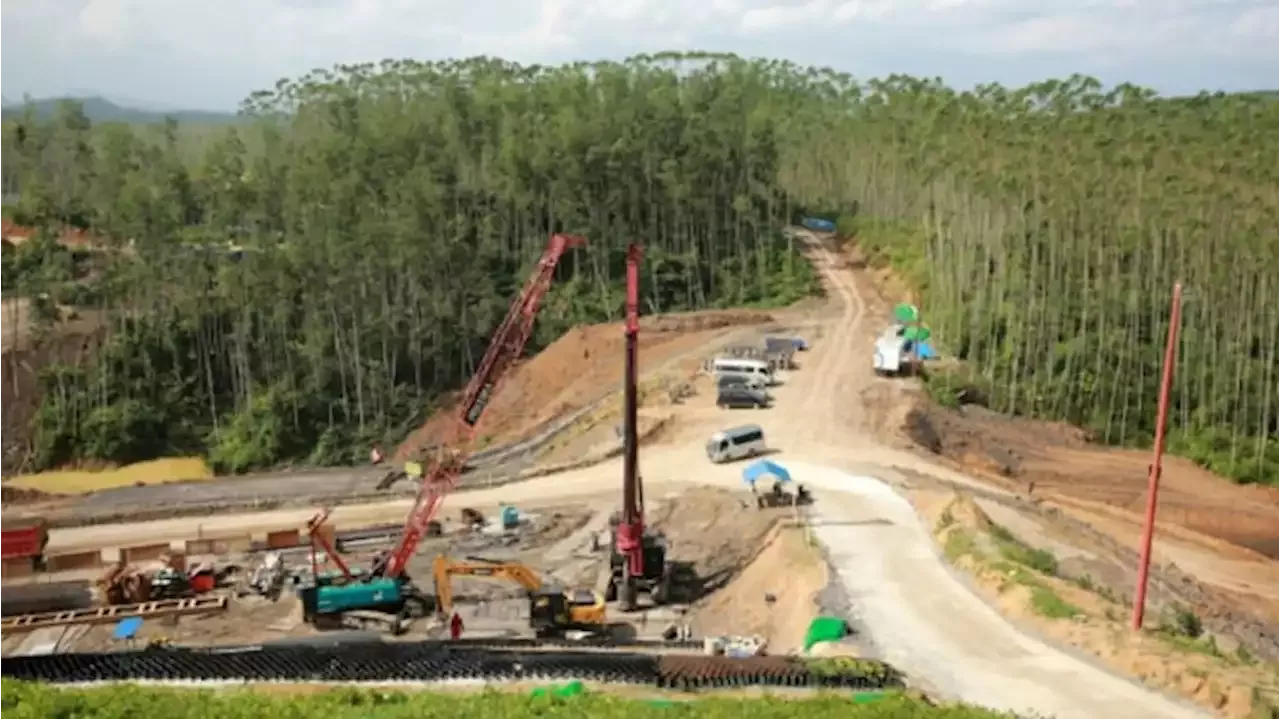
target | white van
x=748, y=368
x=889, y=358
x=736, y=443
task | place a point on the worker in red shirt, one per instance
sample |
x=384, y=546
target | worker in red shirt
x=455, y=627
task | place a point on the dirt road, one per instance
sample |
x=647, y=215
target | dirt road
x=909, y=604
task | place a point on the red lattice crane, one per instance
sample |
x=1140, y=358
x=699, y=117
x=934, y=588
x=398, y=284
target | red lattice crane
x=508, y=342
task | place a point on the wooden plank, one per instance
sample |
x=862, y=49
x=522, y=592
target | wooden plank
x=40, y=642
x=104, y=615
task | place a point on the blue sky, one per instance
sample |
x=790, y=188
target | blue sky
x=209, y=55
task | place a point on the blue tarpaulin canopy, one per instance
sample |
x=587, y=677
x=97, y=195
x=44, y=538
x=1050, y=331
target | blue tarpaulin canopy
x=127, y=628
x=765, y=468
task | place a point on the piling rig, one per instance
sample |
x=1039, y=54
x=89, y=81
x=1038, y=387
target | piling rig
x=638, y=560
x=386, y=588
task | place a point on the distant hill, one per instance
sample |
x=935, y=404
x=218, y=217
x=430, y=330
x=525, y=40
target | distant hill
x=99, y=109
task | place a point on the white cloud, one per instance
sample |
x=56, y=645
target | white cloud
x=203, y=54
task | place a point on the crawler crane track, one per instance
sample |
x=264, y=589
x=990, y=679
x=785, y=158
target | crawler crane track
x=429, y=662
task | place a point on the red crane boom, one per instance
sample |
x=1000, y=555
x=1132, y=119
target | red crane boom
x=507, y=344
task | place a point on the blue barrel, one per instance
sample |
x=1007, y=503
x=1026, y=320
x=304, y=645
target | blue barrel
x=817, y=224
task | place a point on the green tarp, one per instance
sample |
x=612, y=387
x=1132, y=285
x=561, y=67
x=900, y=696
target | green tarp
x=825, y=629
x=563, y=691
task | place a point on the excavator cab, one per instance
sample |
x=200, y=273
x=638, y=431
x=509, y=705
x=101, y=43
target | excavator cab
x=548, y=612
x=553, y=610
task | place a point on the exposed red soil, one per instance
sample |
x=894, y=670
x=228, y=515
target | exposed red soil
x=1052, y=458
x=71, y=237
x=577, y=369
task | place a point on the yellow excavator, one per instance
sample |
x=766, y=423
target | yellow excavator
x=552, y=610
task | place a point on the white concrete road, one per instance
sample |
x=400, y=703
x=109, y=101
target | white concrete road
x=912, y=608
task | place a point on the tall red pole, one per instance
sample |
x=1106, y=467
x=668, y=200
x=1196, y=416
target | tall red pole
x=1153, y=476
x=630, y=538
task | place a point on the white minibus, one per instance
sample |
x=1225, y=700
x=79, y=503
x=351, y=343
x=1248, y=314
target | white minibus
x=736, y=443
x=733, y=367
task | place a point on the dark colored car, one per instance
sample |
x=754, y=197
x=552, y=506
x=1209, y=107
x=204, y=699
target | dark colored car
x=741, y=397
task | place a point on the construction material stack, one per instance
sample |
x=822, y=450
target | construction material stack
x=638, y=562
x=22, y=544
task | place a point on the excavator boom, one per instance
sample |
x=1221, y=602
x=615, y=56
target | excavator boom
x=444, y=569
x=505, y=348
x=550, y=608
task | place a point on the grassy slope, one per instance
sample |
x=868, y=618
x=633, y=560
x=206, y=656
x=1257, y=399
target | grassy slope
x=35, y=701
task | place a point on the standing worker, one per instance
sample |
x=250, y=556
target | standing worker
x=455, y=627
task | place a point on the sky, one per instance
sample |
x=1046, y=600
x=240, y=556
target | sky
x=184, y=54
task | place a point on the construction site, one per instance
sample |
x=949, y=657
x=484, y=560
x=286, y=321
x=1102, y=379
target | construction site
x=592, y=497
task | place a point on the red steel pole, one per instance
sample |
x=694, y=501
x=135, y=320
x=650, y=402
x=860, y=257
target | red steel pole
x=1153, y=476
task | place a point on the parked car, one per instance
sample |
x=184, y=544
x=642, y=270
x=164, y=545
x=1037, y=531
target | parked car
x=742, y=397
x=728, y=381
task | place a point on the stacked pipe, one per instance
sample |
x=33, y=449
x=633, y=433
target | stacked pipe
x=52, y=597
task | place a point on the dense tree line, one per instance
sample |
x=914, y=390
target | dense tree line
x=1046, y=226
x=380, y=216
x=317, y=278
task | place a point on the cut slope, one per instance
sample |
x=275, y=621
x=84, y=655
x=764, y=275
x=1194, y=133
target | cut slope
x=774, y=597
x=1049, y=458
x=577, y=369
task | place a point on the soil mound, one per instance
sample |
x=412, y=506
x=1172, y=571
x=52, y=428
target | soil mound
x=575, y=370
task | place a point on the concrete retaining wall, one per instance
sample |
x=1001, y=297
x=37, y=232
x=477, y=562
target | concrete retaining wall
x=73, y=561
x=143, y=552
x=284, y=539
x=218, y=545
x=17, y=567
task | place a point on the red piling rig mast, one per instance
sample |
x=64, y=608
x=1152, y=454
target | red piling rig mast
x=630, y=531
x=507, y=344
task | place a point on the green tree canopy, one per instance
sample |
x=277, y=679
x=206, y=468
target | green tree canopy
x=313, y=277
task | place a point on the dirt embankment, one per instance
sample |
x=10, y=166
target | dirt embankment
x=1049, y=459
x=582, y=366
x=1016, y=570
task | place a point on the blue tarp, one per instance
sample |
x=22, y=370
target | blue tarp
x=925, y=351
x=127, y=628
x=818, y=224
x=765, y=468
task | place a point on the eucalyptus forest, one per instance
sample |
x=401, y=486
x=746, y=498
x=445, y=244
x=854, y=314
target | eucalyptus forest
x=311, y=279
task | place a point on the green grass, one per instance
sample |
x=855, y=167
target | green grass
x=1047, y=603
x=34, y=701
x=1015, y=551
x=959, y=544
